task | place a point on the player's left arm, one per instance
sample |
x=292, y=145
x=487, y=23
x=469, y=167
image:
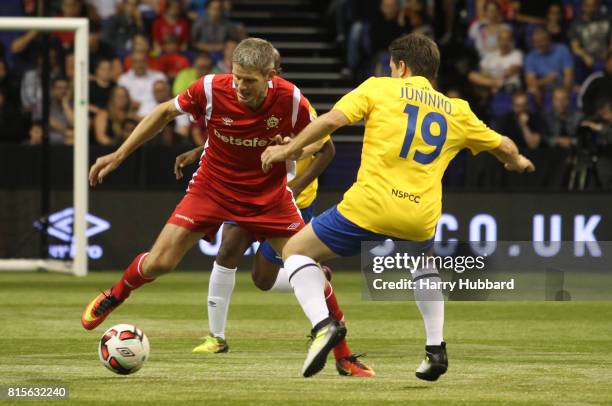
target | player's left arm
x=318, y=165
x=316, y=130
x=479, y=138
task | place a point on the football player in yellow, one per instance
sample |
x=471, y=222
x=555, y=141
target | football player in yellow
x=411, y=134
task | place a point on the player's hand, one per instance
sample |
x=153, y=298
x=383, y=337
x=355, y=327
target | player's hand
x=272, y=154
x=103, y=166
x=521, y=165
x=185, y=159
x=280, y=140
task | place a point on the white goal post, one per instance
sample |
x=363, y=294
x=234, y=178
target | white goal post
x=78, y=266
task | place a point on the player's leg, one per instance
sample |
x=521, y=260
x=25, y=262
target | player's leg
x=168, y=250
x=430, y=302
x=234, y=242
x=268, y=274
x=301, y=255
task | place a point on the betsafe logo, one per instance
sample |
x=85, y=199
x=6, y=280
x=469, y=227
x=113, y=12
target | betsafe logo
x=61, y=227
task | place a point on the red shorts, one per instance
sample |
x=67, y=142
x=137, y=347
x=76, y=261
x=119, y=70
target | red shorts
x=201, y=213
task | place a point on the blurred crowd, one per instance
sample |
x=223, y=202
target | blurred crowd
x=141, y=53
x=538, y=71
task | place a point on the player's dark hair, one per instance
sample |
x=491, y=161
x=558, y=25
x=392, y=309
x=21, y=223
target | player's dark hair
x=419, y=53
x=254, y=53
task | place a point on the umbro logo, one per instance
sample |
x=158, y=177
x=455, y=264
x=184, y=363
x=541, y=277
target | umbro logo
x=293, y=226
x=60, y=225
x=227, y=120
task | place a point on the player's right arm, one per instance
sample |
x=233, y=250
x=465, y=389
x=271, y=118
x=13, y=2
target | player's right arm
x=150, y=126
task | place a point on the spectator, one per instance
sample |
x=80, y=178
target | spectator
x=99, y=49
x=507, y=8
x=548, y=65
x=28, y=48
x=31, y=86
x=196, y=9
x=121, y=28
x=25, y=49
x=70, y=9
x=596, y=88
x=484, y=32
x=171, y=23
x=171, y=61
x=561, y=120
x=181, y=124
x=108, y=124
x=35, y=134
x=101, y=86
x=14, y=8
x=418, y=20
x=523, y=127
x=237, y=26
x=210, y=33
x=61, y=117
x=500, y=69
x=555, y=24
x=600, y=125
x=386, y=26
x=139, y=83
x=140, y=43
x=225, y=64
x=590, y=35
x=105, y=8
x=202, y=65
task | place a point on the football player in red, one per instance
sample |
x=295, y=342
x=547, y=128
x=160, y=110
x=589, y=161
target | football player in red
x=244, y=112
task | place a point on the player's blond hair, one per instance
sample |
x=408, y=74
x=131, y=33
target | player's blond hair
x=254, y=53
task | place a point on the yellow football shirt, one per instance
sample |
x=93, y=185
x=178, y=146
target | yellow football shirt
x=411, y=134
x=309, y=193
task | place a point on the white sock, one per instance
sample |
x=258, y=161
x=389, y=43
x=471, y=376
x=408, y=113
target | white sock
x=220, y=287
x=431, y=305
x=308, y=285
x=281, y=284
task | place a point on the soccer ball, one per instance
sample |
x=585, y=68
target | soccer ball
x=123, y=349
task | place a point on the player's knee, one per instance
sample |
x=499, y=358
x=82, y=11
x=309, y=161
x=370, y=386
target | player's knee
x=291, y=248
x=228, y=257
x=262, y=281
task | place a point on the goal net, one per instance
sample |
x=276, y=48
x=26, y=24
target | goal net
x=74, y=220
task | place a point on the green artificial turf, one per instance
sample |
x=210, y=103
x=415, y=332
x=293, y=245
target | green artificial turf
x=529, y=353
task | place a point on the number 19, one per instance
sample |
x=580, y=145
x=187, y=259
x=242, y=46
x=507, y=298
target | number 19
x=434, y=140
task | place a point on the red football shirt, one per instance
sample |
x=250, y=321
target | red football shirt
x=230, y=169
